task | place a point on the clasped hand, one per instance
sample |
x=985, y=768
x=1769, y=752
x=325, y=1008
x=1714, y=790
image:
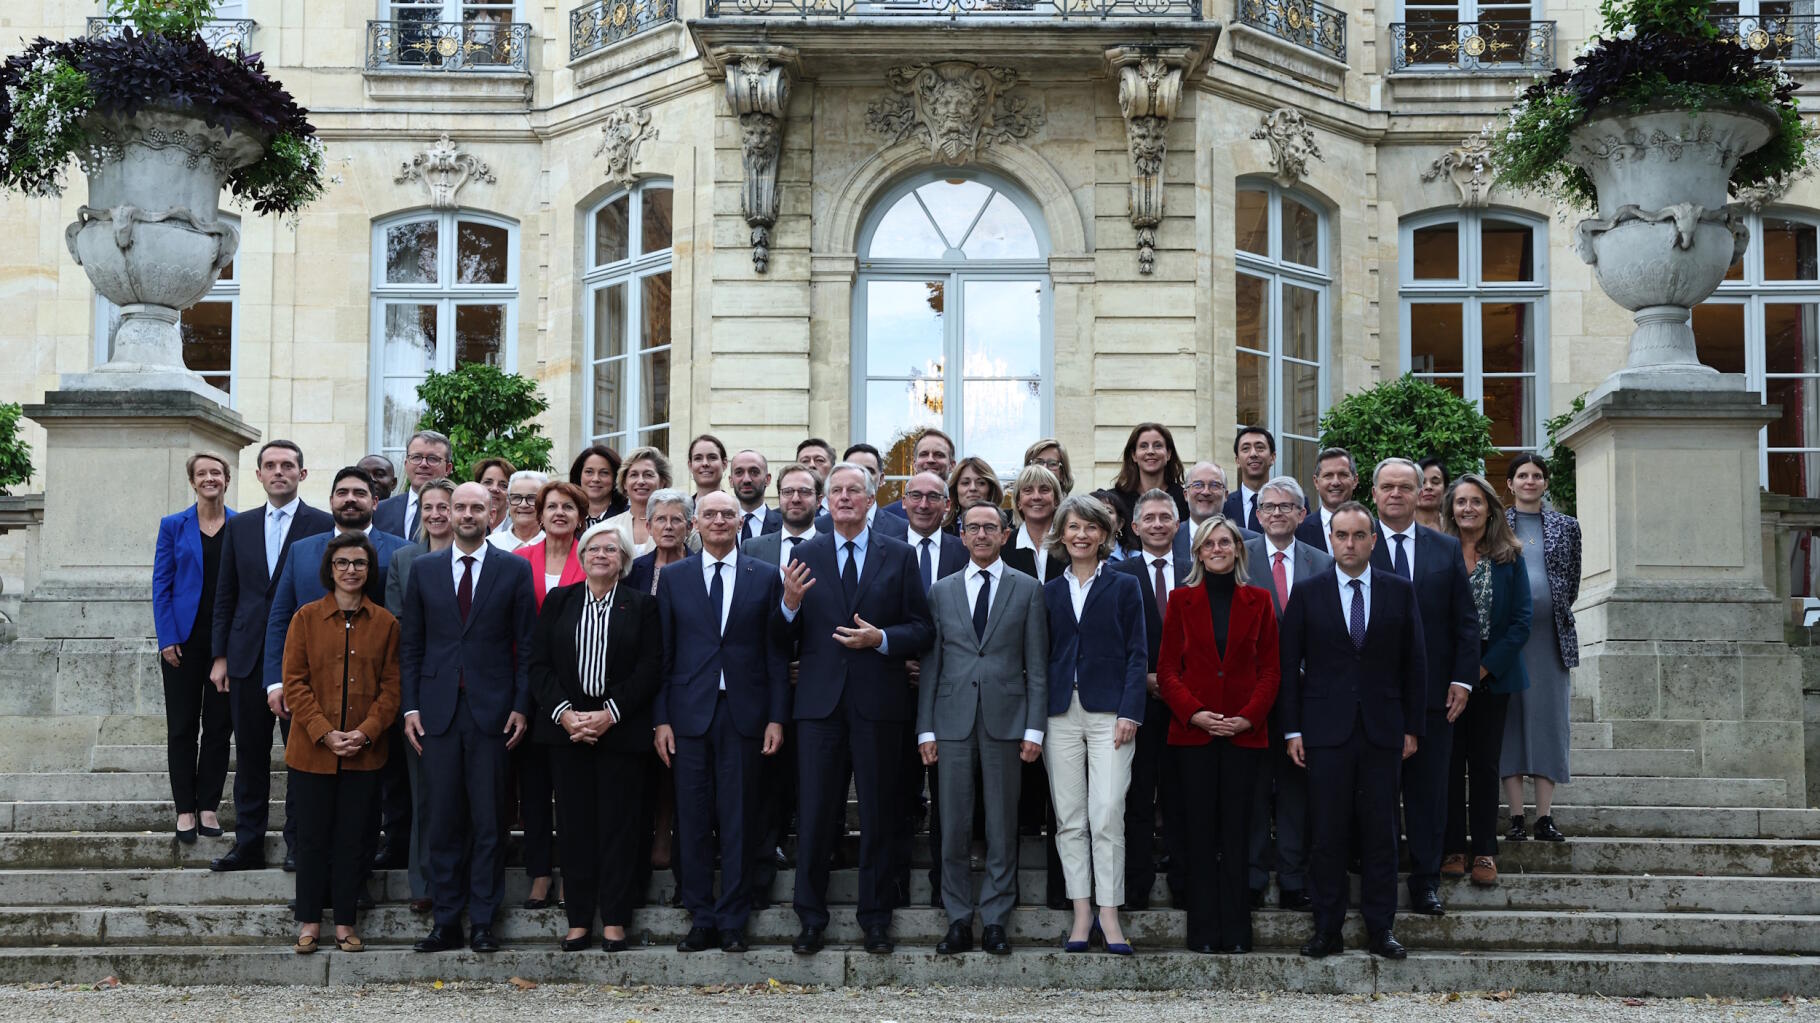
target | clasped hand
x=1220, y=726
x=345, y=744
x=586, y=726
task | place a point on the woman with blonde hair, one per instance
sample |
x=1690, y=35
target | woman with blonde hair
x=644, y=472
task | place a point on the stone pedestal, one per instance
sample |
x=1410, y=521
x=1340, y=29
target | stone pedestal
x=1681, y=638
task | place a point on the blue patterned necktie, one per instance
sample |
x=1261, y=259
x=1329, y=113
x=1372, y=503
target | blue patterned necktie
x=1400, y=560
x=1358, y=615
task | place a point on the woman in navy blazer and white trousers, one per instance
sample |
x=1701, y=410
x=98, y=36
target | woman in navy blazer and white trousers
x=184, y=569
x=1098, y=658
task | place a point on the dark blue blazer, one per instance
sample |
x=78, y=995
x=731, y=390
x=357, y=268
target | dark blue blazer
x=388, y=515
x=894, y=526
x=1511, y=611
x=1327, y=685
x=490, y=655
x=1311, y=533
x=950, y=557
x=697, y=650
x=644, y=568
x=300, y=583
x=1104, y=656
x=773, y=522
x=243, y=590
x=1138, y=566
x=1450, y=620
x=177, y=575
x=889, y=597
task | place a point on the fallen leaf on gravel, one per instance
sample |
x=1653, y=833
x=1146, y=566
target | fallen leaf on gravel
x=522, y=984
x=1500, y=996
x=1453, y=996
x=107, y=983
x=436, y=984
x=1634, y=1002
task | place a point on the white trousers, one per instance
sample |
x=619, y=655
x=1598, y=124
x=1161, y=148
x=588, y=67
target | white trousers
x=1087, y=783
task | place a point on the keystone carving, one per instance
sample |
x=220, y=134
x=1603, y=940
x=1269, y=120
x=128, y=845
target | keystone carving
x=1292, y=144
x=1468, y=166
x=954, y=106
x=624, y=131
x=443, y=169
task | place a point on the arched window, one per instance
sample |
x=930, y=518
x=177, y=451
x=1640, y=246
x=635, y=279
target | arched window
x=1473, y=316
x=626, y=403
x=1281, y=295
x=445, y=293
x=951, y=319
x=210, y=328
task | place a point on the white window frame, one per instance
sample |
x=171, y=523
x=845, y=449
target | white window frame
x=221, y=291
x=1470, y=289
x=446, y=296
x=1467, y=12
x=631, y=272
x=957, y=272
x=1276, y=272
x=451, y=9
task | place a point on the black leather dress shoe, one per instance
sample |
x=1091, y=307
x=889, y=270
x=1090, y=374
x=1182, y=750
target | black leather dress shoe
x=240, y=857
x=483, y=940
x=440, y=939
x=733, y=942
x=1387, y=946
x=1236, y=950
x=878, y=941
x=698, y=939
x=577, y=944
x=995, y=942
x=1294, y=898
x=808, y=941
x=1547, y=832
x=1322, y=945
x=390, y=856
x=1205, y=950
x=958, y=939
x=1426, y=901
x=759, y=899
x=290, y=863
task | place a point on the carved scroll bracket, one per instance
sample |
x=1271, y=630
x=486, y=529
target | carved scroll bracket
x=758, y=90
x=1292, y=144
x=1468, y=166
x=1150, y=90
x=444, y=169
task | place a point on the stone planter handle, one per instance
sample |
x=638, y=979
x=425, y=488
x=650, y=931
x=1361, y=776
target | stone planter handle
x=124, y=218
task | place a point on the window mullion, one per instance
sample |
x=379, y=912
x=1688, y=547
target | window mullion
x=1273, y=414
x=953, y=347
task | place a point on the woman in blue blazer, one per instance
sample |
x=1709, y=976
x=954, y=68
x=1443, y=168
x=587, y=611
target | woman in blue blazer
x=1500, y=588
x=184, y=569
x=1098, y=658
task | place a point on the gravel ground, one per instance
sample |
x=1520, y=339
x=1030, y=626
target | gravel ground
x=789, y=1004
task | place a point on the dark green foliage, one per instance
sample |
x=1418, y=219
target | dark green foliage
x=1412, y=419
x=486, y=413
x=1561, y=462
x=15, y=453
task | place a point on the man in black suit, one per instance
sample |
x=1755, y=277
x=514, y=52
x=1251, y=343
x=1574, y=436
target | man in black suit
x=854, y=605
x=866, y=457
x=934, y=452
x=1335, y=480
x=428, y=456
x=1255, y=450
x=751, y=474
x=464, y=652
x=1432, y=562
x=1151, y=786
x=254, y=551
x=1353, y=680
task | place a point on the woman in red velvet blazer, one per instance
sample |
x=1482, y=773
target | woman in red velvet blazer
x=1217, y=669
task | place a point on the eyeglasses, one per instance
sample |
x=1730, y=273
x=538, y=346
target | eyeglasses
x=716, y=513
x=424, y=459
x=1274, y=508
x=923, y=495
x=344, y=564
x=1199, y=485
x=791, y=492
x=1051, y=464
x=521, y=498
x=980, y=528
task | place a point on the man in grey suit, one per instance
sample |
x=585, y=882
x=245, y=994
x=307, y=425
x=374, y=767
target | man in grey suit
x=1279, y=563
x=983, y=700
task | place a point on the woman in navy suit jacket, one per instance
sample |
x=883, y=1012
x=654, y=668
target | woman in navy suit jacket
x=184, y=569
x=1098, y=657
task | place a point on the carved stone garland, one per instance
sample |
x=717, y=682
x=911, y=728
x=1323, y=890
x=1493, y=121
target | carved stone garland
x=443, y=169
x=1150, y=89
x=1292, y=144
x=955, y=106
x=1468, y=166
x=623, y=132
x=758, y=89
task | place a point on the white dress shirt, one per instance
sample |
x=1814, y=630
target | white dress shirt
x=784, y=546
x=708, y=562
x=973, y=572
x=758, y=521
x=1150, y=561
x=280, y=518
x=1409, y=544
x=1024, y=542
x=1247, y=504
x=480, y=561
x=934, y=540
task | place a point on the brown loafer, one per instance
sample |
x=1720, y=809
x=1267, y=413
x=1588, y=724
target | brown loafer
x=351, y=943
x=420, y=906
x=1453, y=866
x=1484, y=871
x=306, y=943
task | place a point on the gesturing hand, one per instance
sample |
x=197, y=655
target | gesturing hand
x=797, y=581
x=862, y=635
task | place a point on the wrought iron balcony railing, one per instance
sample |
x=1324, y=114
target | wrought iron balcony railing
x=602, y=23
x=448, y=46
x=1488, y=46
x=222, y=34
x=1787, y=37
x=1307, y=23
x=958, y=10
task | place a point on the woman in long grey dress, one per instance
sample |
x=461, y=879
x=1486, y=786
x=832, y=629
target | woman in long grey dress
x=1536, y=728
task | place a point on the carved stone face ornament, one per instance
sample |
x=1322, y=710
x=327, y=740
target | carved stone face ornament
x=1292, y=144
x=955, y=106
x=624, y=131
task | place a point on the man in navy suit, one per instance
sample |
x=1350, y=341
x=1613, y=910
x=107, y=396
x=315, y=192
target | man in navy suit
x=1432, y=562
x=1255, y=450
x=427, y=456
x=866, y=457
x=751, y=474
x=1352, y=688
x=254, y=552
x=725, y=697
x=934, y=452
x=463, y=652
x=1335, y=480
x=853, y=603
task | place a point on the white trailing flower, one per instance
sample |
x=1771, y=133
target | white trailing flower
x=1627, y=33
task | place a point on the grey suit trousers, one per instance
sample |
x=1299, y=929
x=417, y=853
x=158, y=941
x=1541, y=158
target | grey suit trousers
x=996, y=764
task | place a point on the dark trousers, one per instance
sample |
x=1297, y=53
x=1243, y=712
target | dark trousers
x=1472, y=778
x=333, y=812
x=465, y=767
x=776, y=805
x=1279, y=806
x=1425, y=801
x=1153, y=789
x=193, y=707
x=1223, y=777
x=530, y=764
x=716, y=789
x=253, y=719
x=1353, y=785
x=823, y=746
x=600, y=796
x=395, y=805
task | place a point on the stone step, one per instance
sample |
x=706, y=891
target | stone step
x=1584, y=735
x=1651, y=763
x=1613, y=975
x=71, y=787
x=149, y=758
x=1594, y=790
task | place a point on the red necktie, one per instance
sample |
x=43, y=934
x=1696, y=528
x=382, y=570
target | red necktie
x=1162, y=589
x=1281, y=578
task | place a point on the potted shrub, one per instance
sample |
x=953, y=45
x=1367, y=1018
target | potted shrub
x=1658, y=119
x=486, y=413
x=1408, y=418
x=160, y=123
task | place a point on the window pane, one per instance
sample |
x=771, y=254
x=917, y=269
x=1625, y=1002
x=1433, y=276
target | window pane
x=1719, y=335
x=208, y=339
x=1251, y=216
x=610, y=229
x=1796, y=474
x=1297, y=459
x=1002, y=233
x=403, y=409
x=1510, y=403
x=1002, y=418
x=1301, y=233
x=1796, y=428
x=1435, y=337
x=1301, y=323
x=654, y=310
x=654, y=387
x=953, y=205
x=480, y=334
x=658, y=438
x=1506, y=251
x=654, y=232
x=904, y=328
x=905, y=233
x=609, y=397
x=1251, y=313
x=1788, y=341
x=1435, y=252
x=1789, y=251
x=410, y=340
x=1301, y=400
x=410, y=253
x=227, y=273
x=1507, y=332
x=1253, y=388
x=1002, y=329
x=895, y=408
x=480, y=253
x=610, y=321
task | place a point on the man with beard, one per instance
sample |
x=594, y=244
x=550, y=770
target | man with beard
x=751, y=475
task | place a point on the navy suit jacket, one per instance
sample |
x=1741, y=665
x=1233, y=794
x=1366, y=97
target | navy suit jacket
x=633, y=662
x=1450, y=619
x=773, y=522
x=1104, y=656
x=388, y=515
x=300, y=583
x=177, y=576
x=698, y=649
x=1138, y=566
x=950, y=557
x=489, y=656
x=1311, y=533
x=894, y=526
x=243, y=590
x=890, y=596
x=1327, y=685
x=1512, y=609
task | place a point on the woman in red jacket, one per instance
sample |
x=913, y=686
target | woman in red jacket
x=1217, y=670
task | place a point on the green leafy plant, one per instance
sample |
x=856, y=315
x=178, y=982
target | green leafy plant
x=1408, y=418
x=165, y=17
x=486, y=413
x=15, y=453
x=1561, y=461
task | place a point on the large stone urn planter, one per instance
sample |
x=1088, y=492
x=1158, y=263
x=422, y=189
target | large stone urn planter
x=1664, y=235
x=151, y=241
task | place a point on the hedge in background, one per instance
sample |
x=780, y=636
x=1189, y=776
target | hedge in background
x=1412, y=419
x=486, y=413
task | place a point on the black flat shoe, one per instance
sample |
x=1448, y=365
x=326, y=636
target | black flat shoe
x=995, y=942
x=1516, y=832
x=1387, y=946
x=1547, y=832
x=1236, y=950
x=483, y=940
x=613, y=944
x=207, y=832
x=241, y=857
x=808, y=941
x=1322, y=945
x=1205, y=950
x=577, y=944
x=186, y=835
x=958, y=939
x=544, y=903
x=1290, y=898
